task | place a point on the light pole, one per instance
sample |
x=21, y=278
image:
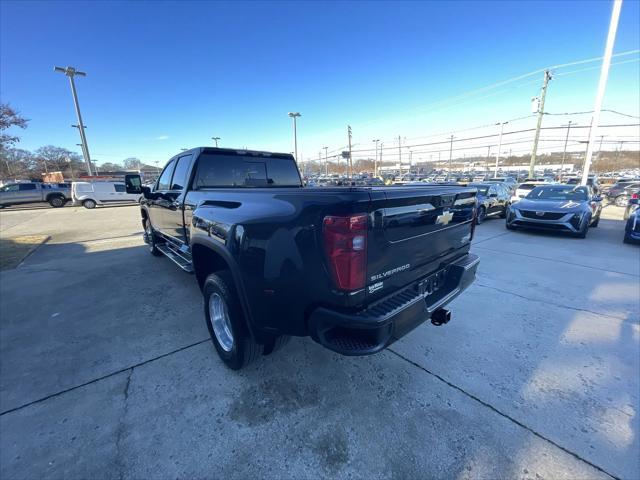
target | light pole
x=602, y=86
x=499, y=146
x=326, y=161
x=72, y=72
x=295, y=115
x=375, y=159
x=450, y=156
x=215, y=139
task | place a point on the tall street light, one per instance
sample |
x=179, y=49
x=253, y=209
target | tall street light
x=375, y=160
x=72, y=72
x=326, y=161
x=502, y=124
x=215, y=139
x=295, y=115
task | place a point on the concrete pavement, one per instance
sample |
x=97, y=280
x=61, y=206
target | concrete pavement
x=106, y=369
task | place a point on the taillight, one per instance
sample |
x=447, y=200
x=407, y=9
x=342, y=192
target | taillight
x=345, y=243
x=635, y=196
x=473, y=222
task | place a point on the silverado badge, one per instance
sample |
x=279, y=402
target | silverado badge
x=445, y=218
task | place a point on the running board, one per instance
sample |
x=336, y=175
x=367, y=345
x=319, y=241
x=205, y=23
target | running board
x=181, y=259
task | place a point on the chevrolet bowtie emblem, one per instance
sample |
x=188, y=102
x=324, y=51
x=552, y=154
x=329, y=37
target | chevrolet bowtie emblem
x=445, y=218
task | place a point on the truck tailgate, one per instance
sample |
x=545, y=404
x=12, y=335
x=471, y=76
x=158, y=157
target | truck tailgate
x=416, y=231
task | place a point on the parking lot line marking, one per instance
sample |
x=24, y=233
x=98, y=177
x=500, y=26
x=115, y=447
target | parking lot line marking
x=502, y=414
x=547, y=302
x=554, y=260
x=117, y=372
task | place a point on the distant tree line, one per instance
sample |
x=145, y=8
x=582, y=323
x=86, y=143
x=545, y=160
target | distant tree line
x=17, y=163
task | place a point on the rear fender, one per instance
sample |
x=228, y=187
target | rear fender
x=221, y=251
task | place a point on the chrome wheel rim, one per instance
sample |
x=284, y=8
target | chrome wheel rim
x=220, y=322
x=149, y=234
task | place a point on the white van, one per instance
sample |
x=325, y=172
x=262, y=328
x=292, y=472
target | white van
x=90, y=194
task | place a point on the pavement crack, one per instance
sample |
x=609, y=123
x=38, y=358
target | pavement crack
x=108, y=375
x=491, y=238
x=559, y=305
x=121, y=427
x=502, y=414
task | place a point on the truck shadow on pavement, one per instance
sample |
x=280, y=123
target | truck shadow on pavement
x=107, y=366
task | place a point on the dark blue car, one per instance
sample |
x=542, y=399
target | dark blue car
x=632, y=228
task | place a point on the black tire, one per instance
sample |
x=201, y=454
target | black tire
x=152, y=239
x=57, y=201
x=276, y=344
x=90, y=204
x=595, y=222
x=584, y=229
x=505, y=211
x=481, y=215
x=509, y=226
x=627, y=238
x=244, y=349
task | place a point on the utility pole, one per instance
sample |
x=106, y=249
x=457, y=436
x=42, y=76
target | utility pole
x=450, y=156
x=215, y=139
x=72, y=72
x=599, y=152
x=543, y=95
x=326, y=161
x=502, y=124
x=486, y=162
x=295, y=115
x=564, y=152
x=602, y=86
x=375, y=159
x=350, y=170
x=381, y=145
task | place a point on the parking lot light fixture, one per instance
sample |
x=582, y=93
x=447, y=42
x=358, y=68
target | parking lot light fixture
x=294, y=116
x=71, y=72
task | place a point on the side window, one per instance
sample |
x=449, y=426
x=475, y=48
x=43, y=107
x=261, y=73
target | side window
x=492, y=190
x=11, y=188
x=120, y=187
x=27, y=186
x=165, y=179
x=180, y=176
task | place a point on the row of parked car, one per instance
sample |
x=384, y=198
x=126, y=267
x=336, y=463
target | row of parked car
x=565, y=207
x=87, y=194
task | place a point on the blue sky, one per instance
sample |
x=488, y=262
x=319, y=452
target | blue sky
x=163, y=76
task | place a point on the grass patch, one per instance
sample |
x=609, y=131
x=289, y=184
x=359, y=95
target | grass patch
x=14, y=250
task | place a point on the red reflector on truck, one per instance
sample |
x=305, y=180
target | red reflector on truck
x=345, y=243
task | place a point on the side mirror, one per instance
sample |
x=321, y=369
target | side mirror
x=133, y=184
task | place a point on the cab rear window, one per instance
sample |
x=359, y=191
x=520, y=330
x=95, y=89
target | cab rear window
x=220, y=170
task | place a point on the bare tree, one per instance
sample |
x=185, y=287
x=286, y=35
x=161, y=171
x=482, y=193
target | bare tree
x=9, y=118
x=132, y=163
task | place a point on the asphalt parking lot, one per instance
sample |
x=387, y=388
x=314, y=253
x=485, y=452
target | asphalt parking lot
x=107, y=371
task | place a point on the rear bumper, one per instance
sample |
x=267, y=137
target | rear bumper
x=385, y=321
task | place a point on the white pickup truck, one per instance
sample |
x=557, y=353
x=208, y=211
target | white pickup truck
x=55, y=194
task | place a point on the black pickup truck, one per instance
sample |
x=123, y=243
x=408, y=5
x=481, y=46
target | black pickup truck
x=355, y=268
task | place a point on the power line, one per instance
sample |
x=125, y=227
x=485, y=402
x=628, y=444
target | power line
x=591, y=111
x=495, y=135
